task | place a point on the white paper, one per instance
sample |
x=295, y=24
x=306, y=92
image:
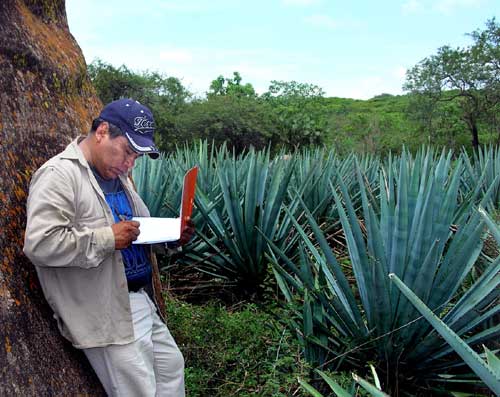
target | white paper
x=157, y=230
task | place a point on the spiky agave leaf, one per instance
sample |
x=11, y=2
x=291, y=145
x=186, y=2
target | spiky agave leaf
x=487, y=374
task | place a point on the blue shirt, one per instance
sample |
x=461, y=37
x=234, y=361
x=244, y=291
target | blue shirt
x=137, y=265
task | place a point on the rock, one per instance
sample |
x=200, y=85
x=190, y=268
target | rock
x=46, y=99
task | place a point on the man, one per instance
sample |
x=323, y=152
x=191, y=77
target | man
x=79, y=236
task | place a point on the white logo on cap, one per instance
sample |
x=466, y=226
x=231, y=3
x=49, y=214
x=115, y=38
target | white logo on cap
x=142, y=124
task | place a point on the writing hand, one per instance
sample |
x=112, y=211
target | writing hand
x=125, y=232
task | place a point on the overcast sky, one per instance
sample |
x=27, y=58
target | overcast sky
x=355, y=49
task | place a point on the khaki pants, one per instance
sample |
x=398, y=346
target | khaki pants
x=151, y=366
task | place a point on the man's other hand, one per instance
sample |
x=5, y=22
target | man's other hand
x=187, y=233
x=186, y=236
x=125, y=232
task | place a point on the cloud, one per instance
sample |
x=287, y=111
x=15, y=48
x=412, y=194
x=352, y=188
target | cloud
x=188, y=6
x=399, y=72
x=411, y=7
x=365, y=87
x=257, y=66
x=322, y=21
x=179, y=6
x=300, y=2
x=176, y=55
x=441, y=6
x=448, y=6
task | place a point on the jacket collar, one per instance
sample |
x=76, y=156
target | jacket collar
x=73, y=152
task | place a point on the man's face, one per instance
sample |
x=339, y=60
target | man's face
x=113, y=156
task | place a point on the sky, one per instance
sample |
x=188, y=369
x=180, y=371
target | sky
x=351, y=49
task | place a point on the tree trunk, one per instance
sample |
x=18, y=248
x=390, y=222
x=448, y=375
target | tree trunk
x=46, y=99
x=475, y=136
x=470, y=120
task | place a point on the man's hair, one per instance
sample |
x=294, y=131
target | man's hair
x=114, y=131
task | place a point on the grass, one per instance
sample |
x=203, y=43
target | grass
x=241, y=350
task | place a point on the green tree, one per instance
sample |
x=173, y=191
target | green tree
x=487, y=45
x=467, y=76
x=293, y=89
x=231, y=86
x=299, y=113
x=240, y=122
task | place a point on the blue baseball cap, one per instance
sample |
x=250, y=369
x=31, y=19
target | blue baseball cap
x=136, y=123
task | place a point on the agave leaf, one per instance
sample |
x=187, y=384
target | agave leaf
x=375, y=377
x=356, y=246
x=339, y=284
x=387, y=205
x=475, y=362
x=229, y=182
x=482, y=287
x=493, y=361
x=461, y=254
x=285, y=277
x=307, y=315
x=336, y=388
x=489, y=334
x=399, y=243
x=230, y=265
x=380, y=292
x=494, y=228
x=307, y=387
x=473, y=321
x=220, y=230
x=369, y=387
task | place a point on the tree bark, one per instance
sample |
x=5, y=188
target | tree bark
x=46, y=99
x=475, y=135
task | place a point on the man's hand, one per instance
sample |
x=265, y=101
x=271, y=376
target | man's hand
x=125, y=232
x=187, y=233
x=186, y=236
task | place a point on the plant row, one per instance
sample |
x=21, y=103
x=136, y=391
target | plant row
x=333, y=229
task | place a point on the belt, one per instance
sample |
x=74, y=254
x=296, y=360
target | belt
x=134, y=286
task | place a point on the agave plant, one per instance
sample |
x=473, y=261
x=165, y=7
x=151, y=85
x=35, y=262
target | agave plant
x=311, y=178
x=159, y=183
x=411, y=230
x=252, y=192
x=209, y=159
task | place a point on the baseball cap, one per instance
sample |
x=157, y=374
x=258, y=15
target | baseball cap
x=136, y=123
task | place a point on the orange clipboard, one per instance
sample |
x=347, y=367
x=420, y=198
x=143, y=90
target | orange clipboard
x=188, y=189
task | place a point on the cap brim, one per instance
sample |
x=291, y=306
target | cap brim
x=142, y=145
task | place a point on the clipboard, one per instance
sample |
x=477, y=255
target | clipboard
x=159, y=230
x=188, y=190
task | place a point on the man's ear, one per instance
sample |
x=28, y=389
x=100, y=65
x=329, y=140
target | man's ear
x=102, y=131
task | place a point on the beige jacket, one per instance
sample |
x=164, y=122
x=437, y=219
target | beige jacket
x=70, y=241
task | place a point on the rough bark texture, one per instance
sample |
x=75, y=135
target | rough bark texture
x=46, y=99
